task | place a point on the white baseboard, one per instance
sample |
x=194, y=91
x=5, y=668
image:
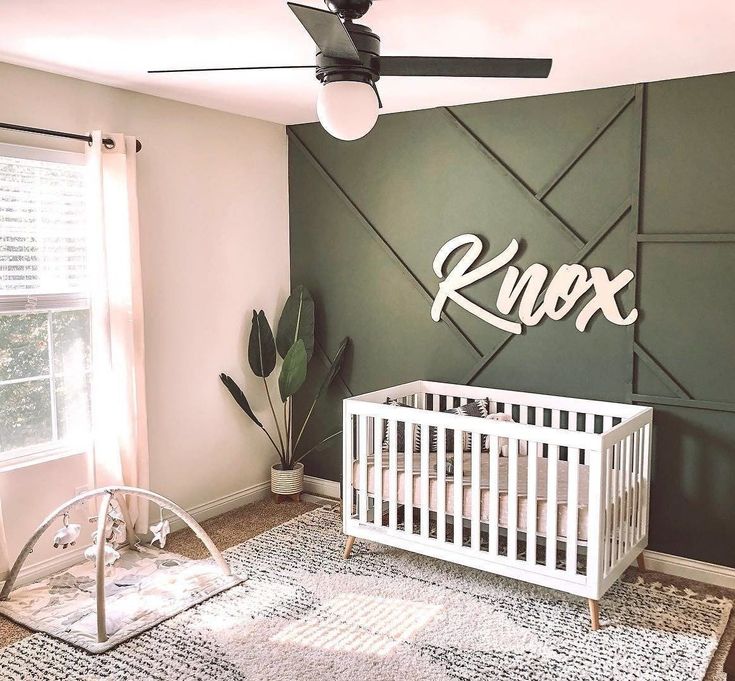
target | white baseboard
x=317, y=489
x=709, y=573
x=48, y=566
x=226, y=503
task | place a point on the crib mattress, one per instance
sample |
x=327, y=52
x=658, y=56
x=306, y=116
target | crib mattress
x=542, y=505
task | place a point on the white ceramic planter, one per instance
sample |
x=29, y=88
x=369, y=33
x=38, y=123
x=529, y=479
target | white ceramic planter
x=287, y=482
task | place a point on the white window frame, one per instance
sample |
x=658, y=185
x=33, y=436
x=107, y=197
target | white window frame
x=51, y=302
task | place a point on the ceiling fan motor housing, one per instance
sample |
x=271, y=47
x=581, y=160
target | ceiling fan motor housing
x=349, y=9
x=331, y=69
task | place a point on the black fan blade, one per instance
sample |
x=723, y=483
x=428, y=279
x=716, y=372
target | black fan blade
x=327, y=31
x=233, y=68
x=468, y=67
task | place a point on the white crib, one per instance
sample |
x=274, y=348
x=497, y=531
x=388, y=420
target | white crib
x=517, y=512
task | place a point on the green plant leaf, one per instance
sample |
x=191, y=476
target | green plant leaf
x=334, y=368
x=293, y=370
x=261, y=346
x=319, y=446
x=239, y=397
x=297, y=321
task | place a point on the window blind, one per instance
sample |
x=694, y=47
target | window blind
x=42, y=228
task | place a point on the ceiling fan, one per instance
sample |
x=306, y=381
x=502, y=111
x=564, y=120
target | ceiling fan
x=349, y=64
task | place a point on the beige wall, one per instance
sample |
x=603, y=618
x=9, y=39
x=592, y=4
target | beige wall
x=214, y=238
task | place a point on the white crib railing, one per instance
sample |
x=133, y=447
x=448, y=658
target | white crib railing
x=472, y=516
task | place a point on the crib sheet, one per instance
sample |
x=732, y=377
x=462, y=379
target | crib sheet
x=503, y=511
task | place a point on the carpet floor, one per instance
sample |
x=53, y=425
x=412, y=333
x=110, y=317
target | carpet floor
x=388, y=614
x=230, y=529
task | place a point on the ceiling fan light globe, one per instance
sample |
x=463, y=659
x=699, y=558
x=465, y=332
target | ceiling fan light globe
x=347, y=109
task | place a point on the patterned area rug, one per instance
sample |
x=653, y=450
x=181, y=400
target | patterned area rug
x=387, y=614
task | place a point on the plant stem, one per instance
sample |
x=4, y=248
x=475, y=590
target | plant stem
x=275, y=446
x=306, y=420
x=282, y=453
x=318, y=444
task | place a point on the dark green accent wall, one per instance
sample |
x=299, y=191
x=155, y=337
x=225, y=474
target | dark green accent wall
x=649, y=187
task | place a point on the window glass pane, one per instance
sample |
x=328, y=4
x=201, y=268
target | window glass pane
x=71, y=342
x=23, y=346
x=42, y=227
x=73, y=406
x=25, y=414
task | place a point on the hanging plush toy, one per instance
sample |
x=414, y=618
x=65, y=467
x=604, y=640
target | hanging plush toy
x=111, y=555
x=160, y=530
x=67, y=535
x=115, y=535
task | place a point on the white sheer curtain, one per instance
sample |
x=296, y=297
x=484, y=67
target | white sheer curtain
x=118, y=374
x=4, y=564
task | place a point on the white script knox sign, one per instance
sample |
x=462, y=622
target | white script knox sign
x=567, y=286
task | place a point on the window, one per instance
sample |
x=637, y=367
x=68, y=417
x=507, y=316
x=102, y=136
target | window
x=45, y=360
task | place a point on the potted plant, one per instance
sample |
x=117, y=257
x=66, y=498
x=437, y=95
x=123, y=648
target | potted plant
x=294, y=343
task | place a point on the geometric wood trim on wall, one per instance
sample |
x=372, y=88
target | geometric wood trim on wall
x=630, y=204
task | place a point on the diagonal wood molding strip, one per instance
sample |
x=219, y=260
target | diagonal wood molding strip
x=378, y=237
x=505, y=169
x=585, y=146
x=327, y=361
x=617, y=215
x=661, y=373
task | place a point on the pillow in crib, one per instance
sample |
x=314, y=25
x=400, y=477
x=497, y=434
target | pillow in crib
x=477, y=408
x=503, y=443
x=401, y=429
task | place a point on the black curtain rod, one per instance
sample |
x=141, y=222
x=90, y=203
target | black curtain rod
x=109, y=143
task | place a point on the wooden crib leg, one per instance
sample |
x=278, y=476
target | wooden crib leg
x=348, y=547
x=594, y=614
x=641, y=562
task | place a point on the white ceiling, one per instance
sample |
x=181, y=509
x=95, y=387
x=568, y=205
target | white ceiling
x=594, y=43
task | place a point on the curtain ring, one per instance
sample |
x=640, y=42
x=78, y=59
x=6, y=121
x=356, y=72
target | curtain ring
x=108, y=143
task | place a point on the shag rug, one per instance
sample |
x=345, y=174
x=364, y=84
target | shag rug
x=386, y=614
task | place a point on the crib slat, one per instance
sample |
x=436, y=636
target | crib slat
x=555, y=418
x=641, y=454
x=635, y=488
x=607, y=458
x=475, y=492
x=408, y=479
x=392, y=475
x=523, y=414
x=494, y=501
x=535, y=450
x=589, y=423
x=627, y=536
x=618, y=460
x=622, y=456
x=572, y=510
x=378, y=472
x=551, y=506
x=572, y=421
x=646, y=476
x=606, y=423
x=362, y=438
x=441, y=484
x=425, y=481
x=512, y=498
x=458, y=490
